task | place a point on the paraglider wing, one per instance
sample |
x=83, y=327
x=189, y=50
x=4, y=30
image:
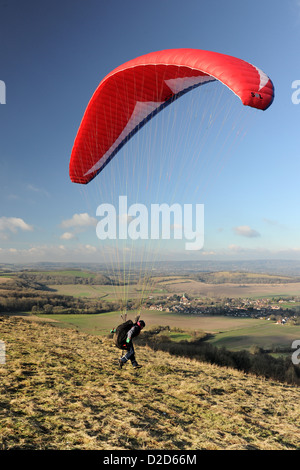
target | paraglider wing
x=134, y=92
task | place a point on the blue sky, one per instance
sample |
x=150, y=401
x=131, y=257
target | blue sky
x=53, y=54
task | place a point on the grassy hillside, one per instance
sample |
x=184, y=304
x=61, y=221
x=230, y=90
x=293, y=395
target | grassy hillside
x=62, y=389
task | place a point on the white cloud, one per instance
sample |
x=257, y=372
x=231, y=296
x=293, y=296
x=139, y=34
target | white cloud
x=81, y=221
x=67, y=236
x=208, y=253
x=90, y=249
x=55, y=253
x=246, y=231
x=236, y=248
x=10, y=225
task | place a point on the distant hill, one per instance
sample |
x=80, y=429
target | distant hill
x=59, y=277
x=272, y=266
x=236, y=277
x=276, y=267
x=62, y=389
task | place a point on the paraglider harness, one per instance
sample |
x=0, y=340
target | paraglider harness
x=121, y=332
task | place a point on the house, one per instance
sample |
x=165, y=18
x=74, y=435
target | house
x=184, y=300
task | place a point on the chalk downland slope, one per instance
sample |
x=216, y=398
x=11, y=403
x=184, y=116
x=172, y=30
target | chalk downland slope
x=62, y=389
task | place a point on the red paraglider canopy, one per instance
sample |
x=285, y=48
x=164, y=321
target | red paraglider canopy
x=134, y=92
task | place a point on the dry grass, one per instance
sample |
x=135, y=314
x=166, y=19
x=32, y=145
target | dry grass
x=62, y=389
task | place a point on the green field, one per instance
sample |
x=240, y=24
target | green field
x=102, y=323
x=230, y=332
x=178, y=287
x=110, y=293
x=90, y=291
x=65, y=272
x=265, y=335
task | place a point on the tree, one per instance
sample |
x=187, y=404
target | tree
x=48, y=309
